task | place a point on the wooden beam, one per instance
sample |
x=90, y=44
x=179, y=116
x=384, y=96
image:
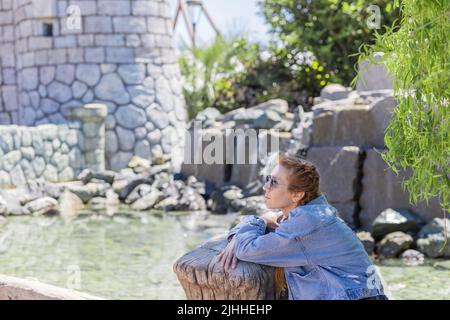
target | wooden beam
x=186, y=19
x=176, y=17
x=208, y=16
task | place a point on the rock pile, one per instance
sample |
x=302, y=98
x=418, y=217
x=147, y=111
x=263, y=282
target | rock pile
x=343, y=135
x=402, y=233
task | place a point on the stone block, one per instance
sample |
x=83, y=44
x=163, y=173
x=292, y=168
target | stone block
x=194, y=163
x=65, y=73
x=129, y=25
x=29, y=78
x=342, y=125
x=98, y=24
x=338, y=168
x=382, y=190
x=130, y=117
x=88, y=73
x=114, y=7
x=114, y=40
x=111, y=88
x=68, y=41
x=94, y=55
x=120, y=55
x=10, y=100
x=373, y=76
x=156, y=25
x=144, y=8
x=132, y=73
x=59, y=92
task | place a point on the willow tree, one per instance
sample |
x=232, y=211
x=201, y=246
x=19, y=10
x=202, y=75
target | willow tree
x=418, y=136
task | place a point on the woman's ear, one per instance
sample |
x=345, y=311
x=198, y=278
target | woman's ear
x=296, y=197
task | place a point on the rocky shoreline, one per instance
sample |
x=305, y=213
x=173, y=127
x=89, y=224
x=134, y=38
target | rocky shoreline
x=353, y=176
x=402, y=234
x=145, y=186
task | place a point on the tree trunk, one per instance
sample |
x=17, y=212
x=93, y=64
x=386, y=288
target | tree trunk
x=202, y=278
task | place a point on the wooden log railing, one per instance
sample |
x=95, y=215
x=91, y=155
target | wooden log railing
x=12, y=288
x=202, y=278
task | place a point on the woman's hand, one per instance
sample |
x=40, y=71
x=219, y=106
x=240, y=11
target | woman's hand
x=227, y=257
x=271, y=219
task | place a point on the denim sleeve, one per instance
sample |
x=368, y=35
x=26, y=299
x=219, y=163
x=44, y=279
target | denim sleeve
x=278, y=248
x=245, y=220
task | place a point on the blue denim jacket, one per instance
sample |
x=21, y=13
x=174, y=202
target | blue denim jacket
x=321, y=256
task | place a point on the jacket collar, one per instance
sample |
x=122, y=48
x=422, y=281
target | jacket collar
x=320, y=199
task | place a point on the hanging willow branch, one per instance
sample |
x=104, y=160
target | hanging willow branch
x=416, y=53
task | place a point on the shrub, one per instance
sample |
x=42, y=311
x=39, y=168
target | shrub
x=233, y=73
x=333, y=30
x=418, y=136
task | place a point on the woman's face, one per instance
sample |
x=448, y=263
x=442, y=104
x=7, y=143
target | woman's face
x=278, y=196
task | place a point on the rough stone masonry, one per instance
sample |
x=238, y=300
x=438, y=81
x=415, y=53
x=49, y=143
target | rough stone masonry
x=121, y=56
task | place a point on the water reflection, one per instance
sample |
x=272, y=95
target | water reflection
x=127, y=256
x=130, y=255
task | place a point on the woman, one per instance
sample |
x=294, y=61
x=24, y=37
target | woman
x=316, y=255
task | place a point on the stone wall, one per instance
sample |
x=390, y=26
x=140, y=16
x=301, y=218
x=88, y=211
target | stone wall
x=346, y=142
x=343, y=136
x=122, y=56
x=241, y=160
x=9, y=106
x=53, y=152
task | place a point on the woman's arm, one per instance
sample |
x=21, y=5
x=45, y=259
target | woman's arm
x=244, y=221
x=228, y=257
x=272, y=222
x=279, y=248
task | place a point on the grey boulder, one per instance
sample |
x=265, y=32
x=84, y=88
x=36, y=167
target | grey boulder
x=391, y=220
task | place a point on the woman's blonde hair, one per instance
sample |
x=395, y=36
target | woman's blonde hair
x=304, y=177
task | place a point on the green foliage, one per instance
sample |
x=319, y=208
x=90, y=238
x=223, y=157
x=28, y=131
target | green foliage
x=314, y=47
x=418, y=136
x=199, y=67
x=233, y=73
x=278, y=73
x=333, y=30
x=211, y=71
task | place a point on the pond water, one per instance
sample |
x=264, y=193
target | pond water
x=418, y=282
x=130, y=256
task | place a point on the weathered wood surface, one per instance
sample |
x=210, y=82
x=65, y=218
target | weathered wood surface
x=202, y=278
x=12, y=288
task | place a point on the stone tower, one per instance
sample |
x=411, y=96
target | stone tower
x=60, y=54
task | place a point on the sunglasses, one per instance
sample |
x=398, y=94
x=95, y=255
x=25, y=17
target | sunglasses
x=272, y=181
